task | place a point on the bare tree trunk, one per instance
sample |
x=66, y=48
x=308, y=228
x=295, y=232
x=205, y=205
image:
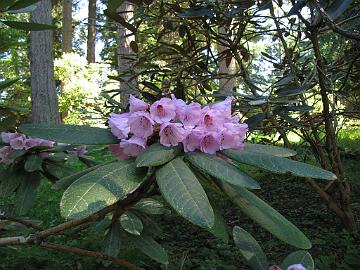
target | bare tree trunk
x=67, y=31
x=43, y=93
x=227, y=67
x=91, y=37
x=126, y=56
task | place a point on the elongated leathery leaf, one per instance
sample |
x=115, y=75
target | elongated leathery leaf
x=131, y=223
x=269, y=149
x=99, y=188
x=26, y=194
x=9, y=181
x=219, y=229
x=71, y=134
x=299, y=257
x=250, y=249
x=112, y=242
x=279, y=165
x=156, y=155
x=221, y=169
x=266, y=216
x=150, y=247
x=183, y=192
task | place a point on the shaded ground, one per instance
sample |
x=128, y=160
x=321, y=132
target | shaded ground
x=333, y=248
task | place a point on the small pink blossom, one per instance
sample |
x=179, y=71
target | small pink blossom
x=80, y=150
x=171, y=134
x=30, y=143
x=137, y=104
x=210, y=143
x=180, y=106
x=224, y=107
x=211, y=120
x=134, y=146
x=119, y=125
x=4, y=151
x=18, y=142
x=232, y=136
x=191, y=116
x=163, y=110
x=192, y=140
x=141, y=125
x=296, y=267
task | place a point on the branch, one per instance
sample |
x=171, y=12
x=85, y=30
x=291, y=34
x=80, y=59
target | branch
x=336, y=28
x=92, y=254
x=21, y=221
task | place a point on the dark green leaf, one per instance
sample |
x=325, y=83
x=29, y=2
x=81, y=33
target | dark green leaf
x=28, y=26
x=219, y=229
x=297, y=7
x=196, y=12
x=100, y=188
x=112, y=242
x=250, y=249
x=7, y=83
x=156, y=155
x=303, y=108
x=150, y=247
x=266, y=216
x=299, y=257
x=114, y=4
x=254, y=121
x=26, y=194
x=269, y=149
x=9, y=181
x=131, y=223
x=221, y=169
x=151, y=86
x=71, y=134
x=151, y=207
x=23, y=4
x=292, y=90
x=33, y=163
x=184, y=193
x=57, y=170
x=4, y=4
x=16, y=154
x=279, y=164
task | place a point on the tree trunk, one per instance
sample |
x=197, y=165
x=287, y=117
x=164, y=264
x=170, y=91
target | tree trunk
x=125, y=55
x=91, y=38
x=227, y=67
x=67, y=31
x=43, y=93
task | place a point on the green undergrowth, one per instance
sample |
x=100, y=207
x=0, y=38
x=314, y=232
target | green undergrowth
x=193, y=248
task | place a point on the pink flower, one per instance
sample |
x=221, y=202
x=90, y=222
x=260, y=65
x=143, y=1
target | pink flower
x=30, y=143
x=119, y=125
x=232, y=136
x=46, y=143
x=192, y=140
x=163, y=110
x=137, y=104
x=191, y=116
x=210, y=143
x=296, y=267
x=274, y=267
x=211, y=120
x=18, y=142
x=171, y=134
x=80, y=150
x=134, y=146
x=118, y=151
x=224, y=107
x=141, y=125
x=4, y=151
x=6, y=137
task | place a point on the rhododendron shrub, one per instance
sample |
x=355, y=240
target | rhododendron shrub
x=168, y=151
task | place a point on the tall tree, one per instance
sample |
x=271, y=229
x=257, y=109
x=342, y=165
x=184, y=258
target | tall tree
x=43, y=91
x=67, y=30
x=91, y=37
x=125, y=55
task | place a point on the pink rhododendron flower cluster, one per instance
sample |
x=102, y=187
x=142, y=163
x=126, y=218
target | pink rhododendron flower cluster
x=18, y=141
x=291, y=267
x=208, y=129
